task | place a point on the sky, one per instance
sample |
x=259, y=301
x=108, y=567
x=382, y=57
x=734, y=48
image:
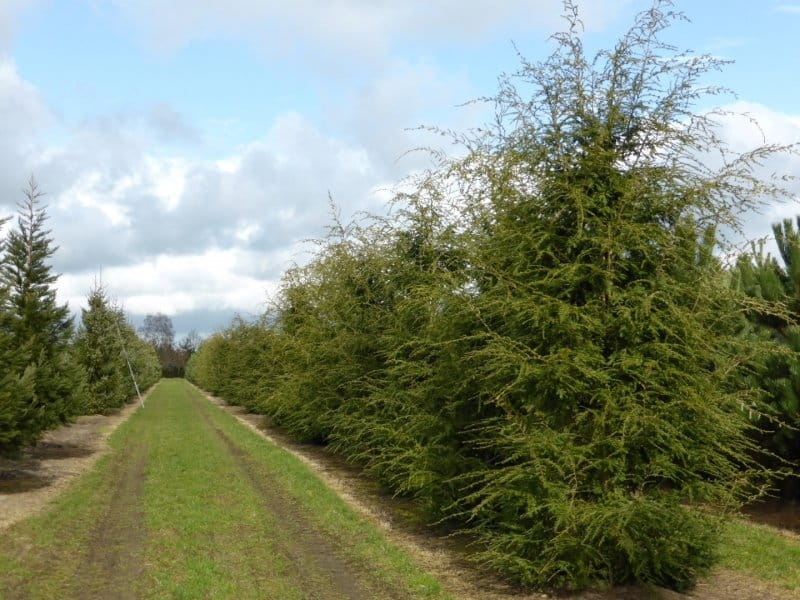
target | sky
x=188, y=148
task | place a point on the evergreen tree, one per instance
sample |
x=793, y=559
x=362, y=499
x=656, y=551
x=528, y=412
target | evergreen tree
x=17, y=414
x=98, y=350
x=39, y=327
x=546, y=353
x=605, y=408
x=777, y=371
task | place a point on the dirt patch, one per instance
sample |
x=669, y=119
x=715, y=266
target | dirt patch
x=30, y=482
x=318, y=567
x=782, y=515
x=112, y=565
x=446, y=559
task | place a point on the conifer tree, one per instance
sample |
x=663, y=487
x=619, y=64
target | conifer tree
x=98, y=350
x=39, y=327
x=778, y=371
x=17, y=412
x=557, y=370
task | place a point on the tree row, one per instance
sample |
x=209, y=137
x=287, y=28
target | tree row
x=51, y=371
x=544, y=347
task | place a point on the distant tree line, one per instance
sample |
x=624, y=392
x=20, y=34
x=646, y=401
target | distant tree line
x=51, y=371
x=157, y=330
x=543, y=347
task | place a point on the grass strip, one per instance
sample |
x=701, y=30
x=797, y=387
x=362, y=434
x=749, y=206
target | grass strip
x=762, y=552
x=199, y=520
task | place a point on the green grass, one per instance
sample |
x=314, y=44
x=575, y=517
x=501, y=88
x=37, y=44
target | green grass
x=762, y=552
x=329, y=512
x=204, y=530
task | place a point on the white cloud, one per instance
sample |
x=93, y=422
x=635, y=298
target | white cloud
x=363, y=28
x=10, y=12
x=212, y=280
x=788, y=8
x=750, y=125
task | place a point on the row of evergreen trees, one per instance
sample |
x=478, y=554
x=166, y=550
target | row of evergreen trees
x=50, y=373
x=542, y=347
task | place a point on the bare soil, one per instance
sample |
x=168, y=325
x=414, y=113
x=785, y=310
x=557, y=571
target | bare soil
x=30, y=482
x=446, y=557
x=779, y=514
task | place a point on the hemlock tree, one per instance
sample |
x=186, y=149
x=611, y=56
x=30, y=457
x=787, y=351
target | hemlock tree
x=40, y=328
x=556, y=367
x=606, y=410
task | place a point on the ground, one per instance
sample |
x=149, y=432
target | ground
x=184, y=502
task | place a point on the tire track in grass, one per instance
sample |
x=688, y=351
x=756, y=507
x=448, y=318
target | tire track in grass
x=111, y=567
x=318, y=569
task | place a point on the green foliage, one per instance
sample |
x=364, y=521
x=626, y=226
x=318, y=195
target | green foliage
x=44, y=387
x=541, y=349
x=103, y=342
x=777, y=370
x=46, y=376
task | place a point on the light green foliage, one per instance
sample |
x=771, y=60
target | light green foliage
x=542, y=349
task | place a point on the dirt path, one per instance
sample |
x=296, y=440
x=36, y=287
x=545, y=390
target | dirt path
x=446, y=558
x=112, y=566
x=315, y=562
x=29, y=483
x=188, y=504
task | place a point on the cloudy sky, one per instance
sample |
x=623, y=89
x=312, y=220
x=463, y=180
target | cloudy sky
x=188, y=147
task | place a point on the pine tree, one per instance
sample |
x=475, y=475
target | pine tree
x=778, y=371
x=39, y=327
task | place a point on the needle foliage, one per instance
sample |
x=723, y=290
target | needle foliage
x=542, y=348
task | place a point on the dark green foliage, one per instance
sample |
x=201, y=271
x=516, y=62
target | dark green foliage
x=45, y=378
x=777, y=371
x=37, y=328
x=17, y=417
x=542, y=349
x=100, y=352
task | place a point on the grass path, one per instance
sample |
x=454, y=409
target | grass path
x=191, y=504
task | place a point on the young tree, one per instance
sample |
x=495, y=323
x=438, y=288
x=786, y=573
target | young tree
x=17, y=401
x=777, y=372
x=40, y=327
x=99, y=351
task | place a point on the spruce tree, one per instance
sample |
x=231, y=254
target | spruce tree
x=40, y=328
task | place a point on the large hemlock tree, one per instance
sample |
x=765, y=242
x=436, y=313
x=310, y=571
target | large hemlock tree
x=545, y=351
x=38, y=327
